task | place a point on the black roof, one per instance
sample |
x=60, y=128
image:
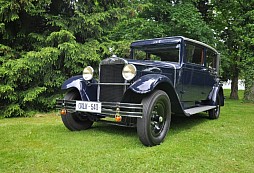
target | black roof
x=168, y=40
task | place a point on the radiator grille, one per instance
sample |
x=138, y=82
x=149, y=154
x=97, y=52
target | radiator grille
x=111, y=73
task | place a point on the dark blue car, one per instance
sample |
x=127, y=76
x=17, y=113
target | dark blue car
x=162, y=77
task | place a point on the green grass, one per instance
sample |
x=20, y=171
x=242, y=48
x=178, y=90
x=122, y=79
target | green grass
x=195, y=144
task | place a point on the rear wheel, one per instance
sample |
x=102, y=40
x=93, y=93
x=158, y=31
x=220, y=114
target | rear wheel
x=215, y=113
x=75, y=121
x=152, y=128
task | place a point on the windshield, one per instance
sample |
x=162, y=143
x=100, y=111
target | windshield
x=164, y=52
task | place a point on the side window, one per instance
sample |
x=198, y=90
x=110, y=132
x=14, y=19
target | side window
x=211, y=59
x=194, y=54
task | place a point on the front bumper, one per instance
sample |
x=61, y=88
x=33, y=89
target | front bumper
x=108, y=109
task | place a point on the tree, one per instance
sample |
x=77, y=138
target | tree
x=231, y=22
x=42, y=43
x=151, y=19
x=247, y=53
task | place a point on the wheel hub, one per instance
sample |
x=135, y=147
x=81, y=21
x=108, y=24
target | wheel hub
x=157, y=120
x=161, y=119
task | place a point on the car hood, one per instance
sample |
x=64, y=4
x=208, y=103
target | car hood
x=163, y=64
x=147, y=63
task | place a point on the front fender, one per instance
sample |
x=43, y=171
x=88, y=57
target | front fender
x=88, y=91
x=148, y=82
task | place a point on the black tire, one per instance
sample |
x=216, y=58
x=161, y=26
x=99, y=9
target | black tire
x=153, y=127
x=75, y=121
x=215, y=113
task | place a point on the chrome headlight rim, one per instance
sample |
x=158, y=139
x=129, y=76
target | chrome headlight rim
x=88, y=73
x=129, y=72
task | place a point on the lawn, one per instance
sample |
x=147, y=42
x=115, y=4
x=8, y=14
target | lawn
x=194, y=144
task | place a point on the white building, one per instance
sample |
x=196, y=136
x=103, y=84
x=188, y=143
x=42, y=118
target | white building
x=227, y=85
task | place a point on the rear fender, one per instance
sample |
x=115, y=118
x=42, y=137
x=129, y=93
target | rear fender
x=87, y=90
x=216, y=91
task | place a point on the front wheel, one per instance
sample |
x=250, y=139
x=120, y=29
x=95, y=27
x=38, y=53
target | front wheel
x=75, y=121
x=153, y=127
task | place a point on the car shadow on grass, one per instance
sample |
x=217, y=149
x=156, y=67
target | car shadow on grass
x=107, y=128
x=183, y=123
x=178, y=124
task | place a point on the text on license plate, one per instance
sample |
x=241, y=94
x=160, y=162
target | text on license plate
x=86, y=106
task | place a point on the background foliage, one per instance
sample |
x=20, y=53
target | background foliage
x=42, y=43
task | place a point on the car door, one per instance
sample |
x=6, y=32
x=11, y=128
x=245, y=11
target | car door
x=193, y=76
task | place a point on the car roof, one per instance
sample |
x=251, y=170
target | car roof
x=168, y=40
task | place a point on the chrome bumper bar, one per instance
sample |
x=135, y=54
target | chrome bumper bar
x=110, y=109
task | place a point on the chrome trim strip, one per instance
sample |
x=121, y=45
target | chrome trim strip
x=113, y=84
x=123, y=105
x=122, y=113
x=98, y=88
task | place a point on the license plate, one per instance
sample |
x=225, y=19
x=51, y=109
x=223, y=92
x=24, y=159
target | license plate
x=85, y=106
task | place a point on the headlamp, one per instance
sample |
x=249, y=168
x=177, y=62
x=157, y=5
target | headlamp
x=129, y=72
x=88, y=73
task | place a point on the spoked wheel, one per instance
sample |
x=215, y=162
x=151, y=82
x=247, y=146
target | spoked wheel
x=75, y=121
x=152, y=128
x=215, y=113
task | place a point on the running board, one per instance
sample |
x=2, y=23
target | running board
x=199, y=109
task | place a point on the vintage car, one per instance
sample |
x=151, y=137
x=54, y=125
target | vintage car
x=161, y=77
